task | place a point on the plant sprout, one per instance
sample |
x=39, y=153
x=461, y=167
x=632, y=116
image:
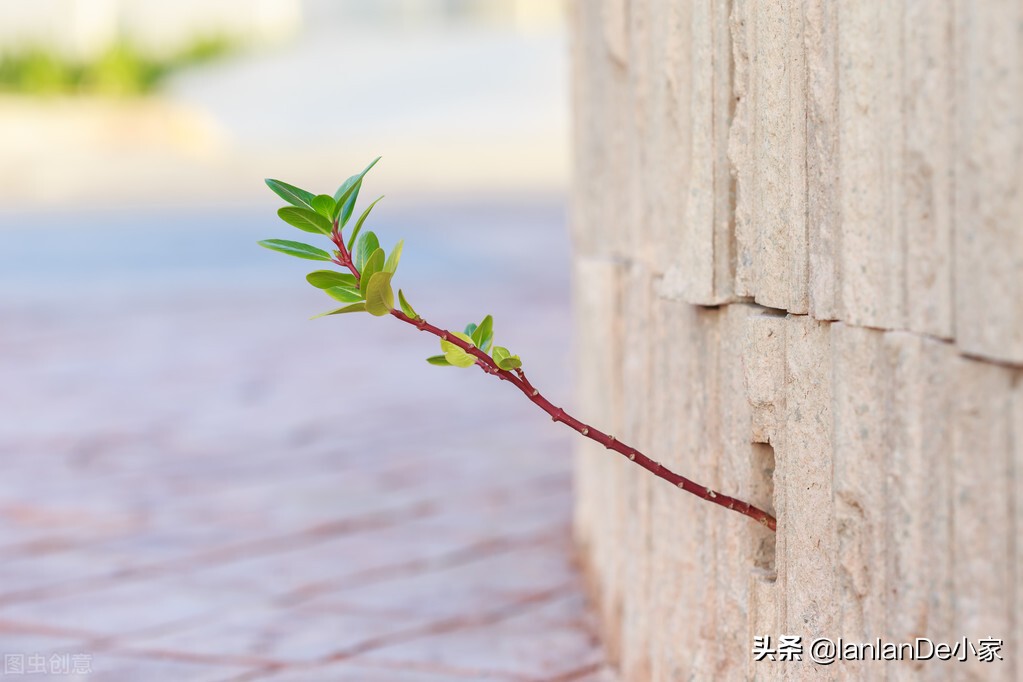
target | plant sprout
x=363, y=284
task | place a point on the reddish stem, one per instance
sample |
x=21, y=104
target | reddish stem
x=344, y=258
x=519, y=380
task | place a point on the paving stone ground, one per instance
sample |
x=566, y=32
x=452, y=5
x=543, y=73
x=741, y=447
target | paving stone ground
x=198, y=483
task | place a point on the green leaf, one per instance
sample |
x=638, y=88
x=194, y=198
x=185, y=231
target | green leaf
x=392, y=260
x=367, y=245
x=305, y=219
x=324, y=279
x=324, y=205
x=344, y=294
x=360, y=221
x=348, y=192
x=455, y=355
x=374, y=264
x=291, y=194
x=296, y=249
x=438, y=360
x=379, y=295
x=504, y=358
x=405, y=307
x=484, y=333
x=510, y=363
x=354, y=308
x=470, y=328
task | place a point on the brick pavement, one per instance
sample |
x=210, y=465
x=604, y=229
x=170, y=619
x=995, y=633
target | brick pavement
x=200, y=484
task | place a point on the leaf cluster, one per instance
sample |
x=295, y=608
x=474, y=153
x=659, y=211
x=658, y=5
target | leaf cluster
x=482, y=337
x=367, y=285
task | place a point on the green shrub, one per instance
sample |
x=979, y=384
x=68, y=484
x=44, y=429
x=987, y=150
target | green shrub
x=120, y=70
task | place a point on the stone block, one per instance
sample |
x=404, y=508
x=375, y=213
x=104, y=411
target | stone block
x=768, y=155
x=764, y=364
x=927, y=190
x=763, y=621
x=820, y=35
x=859, y=484
x=732, y=473
x=699, y=264
x=636, y=483
x=586, y=223
x=871, y=260
x=918, y=444
x=806, y=569
x=989, y=180
x=982, y=508
x=691, y=275
x=1016, y=421
x=632, y=232
x=598, y=292
x=615, y=17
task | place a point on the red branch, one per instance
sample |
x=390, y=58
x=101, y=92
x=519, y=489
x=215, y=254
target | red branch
x=342, y=257
x=518, y=380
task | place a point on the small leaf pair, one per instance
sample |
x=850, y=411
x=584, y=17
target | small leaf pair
x=371, y=294
x=338, y=285
x=505, y=360
x=318, y=213
x=453, y=356
x=347, y=194
x=481, y=336
x=306, y=214
x=406, y=308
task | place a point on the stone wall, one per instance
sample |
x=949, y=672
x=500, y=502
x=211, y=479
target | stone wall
x=799, y=279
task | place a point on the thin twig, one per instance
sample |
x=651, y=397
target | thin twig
x=518, y=379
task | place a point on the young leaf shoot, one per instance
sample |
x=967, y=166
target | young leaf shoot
x=363, y=283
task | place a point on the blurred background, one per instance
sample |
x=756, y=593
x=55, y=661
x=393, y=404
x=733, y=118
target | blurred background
x=197, y=482
x=187, y=101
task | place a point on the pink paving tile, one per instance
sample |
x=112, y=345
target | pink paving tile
x=25, y=643
x=206, y=486
x=116, y=667
x=274, y=635
x=541, y=652
x=115, y=609
x=360, y=672
x=466, y=588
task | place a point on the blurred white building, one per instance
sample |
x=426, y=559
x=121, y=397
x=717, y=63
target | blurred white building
x=82, y=28
x=521, y=13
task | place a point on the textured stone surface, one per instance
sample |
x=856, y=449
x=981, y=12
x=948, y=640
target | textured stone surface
x=768, y=154
x=799, y=277
x=889, y=459
x=918, y=508
x=982, y=480
x=852, y=161
x=989, y=179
